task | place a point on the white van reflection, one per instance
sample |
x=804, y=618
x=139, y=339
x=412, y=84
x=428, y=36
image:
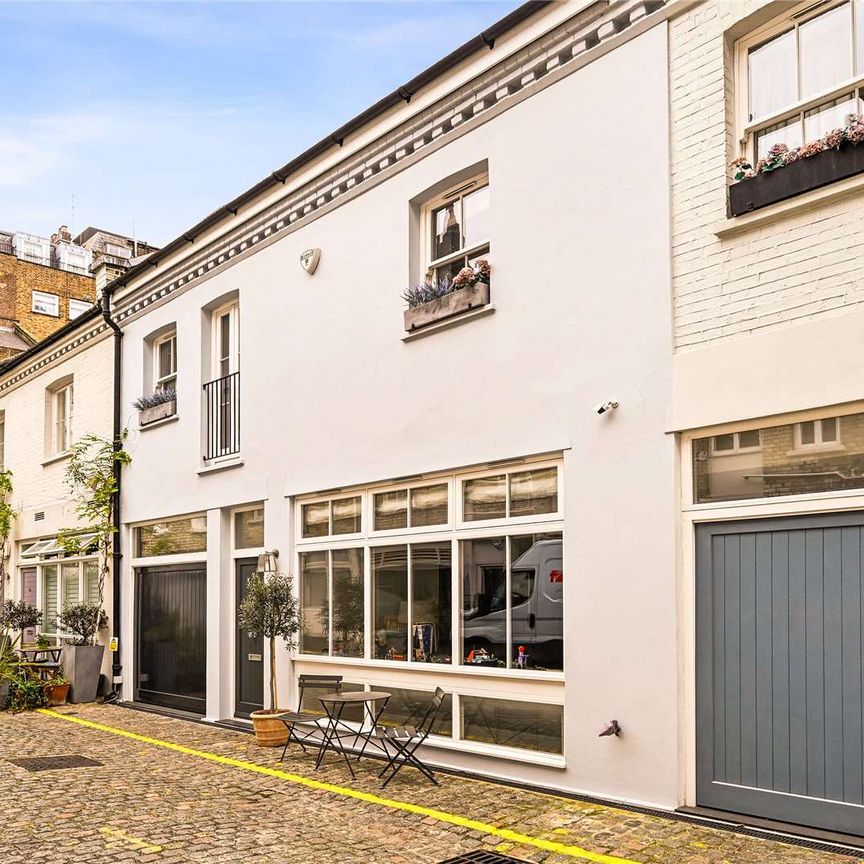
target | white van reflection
x=537, y=603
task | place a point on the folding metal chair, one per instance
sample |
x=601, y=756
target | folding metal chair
x=330, y=683
x=406, y=739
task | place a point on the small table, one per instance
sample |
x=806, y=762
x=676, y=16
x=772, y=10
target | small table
x=334, y=704
x=53, y=651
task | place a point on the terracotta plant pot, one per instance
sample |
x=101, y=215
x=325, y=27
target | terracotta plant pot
x=269, y=730
x=55, y=694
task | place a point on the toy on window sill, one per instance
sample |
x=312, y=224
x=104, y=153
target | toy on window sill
x=521, y=658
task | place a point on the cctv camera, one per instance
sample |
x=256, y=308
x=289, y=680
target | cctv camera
x=603, y=407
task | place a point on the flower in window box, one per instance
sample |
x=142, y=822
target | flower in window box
x=742, y=168
x=811, y=149
x=482, y=269
x=833, y=139
x=463, y=278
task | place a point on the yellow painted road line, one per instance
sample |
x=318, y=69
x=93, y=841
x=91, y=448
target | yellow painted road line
x=117, y=834
x=346, y=792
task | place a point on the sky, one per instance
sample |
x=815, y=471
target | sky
x=150, y=115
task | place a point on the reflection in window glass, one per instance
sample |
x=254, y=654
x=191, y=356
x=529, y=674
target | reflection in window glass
x=50, y=605
x=793, y=459
x=447, y=229
x=824, y=55
x=313, y=592
x=409, y=707
x=773, y=76
x=347, y=602
x=91, y=583
x=69, y=577
x=172, y=538
x=310, y=702
x=831, y=115
x=507, y=723
x=390, y=599
x=346, y=516
x=429, y=505
x=534, y=492
x=430, y=605
x=391, y=510
x=476, y=206
x=249, y=529
x=484, y=498
x=484, y=601
x=316, y=519
x=749, y=438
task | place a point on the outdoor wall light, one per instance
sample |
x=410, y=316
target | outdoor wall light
x=267, y=563
x=603, y=407
x=613, y=727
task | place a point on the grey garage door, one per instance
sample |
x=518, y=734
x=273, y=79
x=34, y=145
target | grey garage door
x=779, y=669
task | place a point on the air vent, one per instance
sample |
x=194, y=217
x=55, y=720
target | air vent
x=55, y=763
x=482, y=856
x=39, y=517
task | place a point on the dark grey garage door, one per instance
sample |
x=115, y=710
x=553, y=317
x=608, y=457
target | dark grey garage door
x=779, y=669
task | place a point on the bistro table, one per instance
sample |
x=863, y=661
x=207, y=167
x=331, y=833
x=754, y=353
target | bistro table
x=33, y=660
x=33, y=654
x=374, y=702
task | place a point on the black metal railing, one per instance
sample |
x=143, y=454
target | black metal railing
x=222, y=416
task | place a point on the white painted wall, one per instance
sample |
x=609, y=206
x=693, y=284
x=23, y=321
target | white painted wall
x=332, y=396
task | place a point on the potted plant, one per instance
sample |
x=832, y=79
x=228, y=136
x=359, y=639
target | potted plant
x=431, y=301
x=156, y=406
x=14, y=618
x=270, y=611
x=82, y=659
x=56, y=690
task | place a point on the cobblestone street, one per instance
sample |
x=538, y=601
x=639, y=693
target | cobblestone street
x=150, y=803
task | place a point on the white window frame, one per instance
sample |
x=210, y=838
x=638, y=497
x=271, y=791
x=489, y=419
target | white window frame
x=330, y=537
x=165, y=382
x=818, y=443
x=245, y=551
x=83, y=306
x=59, y=562
x=791, y=19
x=232, y=311
x=736, y=449
x=46, y=299
x=61, y=426
x=456, y=192
x=411, y=530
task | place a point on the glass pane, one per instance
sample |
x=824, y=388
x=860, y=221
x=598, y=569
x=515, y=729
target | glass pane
x=429, y=505
x=724, y=442
x=391, y=510
x=831, y=115
x=773, y=76
x=788, y=132
x=314, y=611
x=390, y=599
x=249, y=529
x=166, y=358
x=534, y=492
x=409, y=707
x=430, y=603
x=784, y=464
x=173, y=538
x=316, y=519
x=476, y=209
x=348, y=602
x=749, y=438
x=71, y=592
x=484, y=498
x=537, y=601
x=507, y=723
x=825, y=44
x=859, y=37
x=310, y=701
x=50, y=606
x=484, y=601
x=91, y=583
x=446, y=272
x=446, y=229
x=346, y=516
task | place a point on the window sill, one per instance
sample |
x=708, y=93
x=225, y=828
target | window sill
x=802, y=201
x=162, y=421
x=222, y=465
x=816, y=449
x=447, y=323
x=59, y=457
x=496, y=751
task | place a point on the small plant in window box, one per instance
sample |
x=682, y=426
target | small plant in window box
x=434, y=301
x=156, y=406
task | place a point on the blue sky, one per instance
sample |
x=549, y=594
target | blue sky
x=157, y=113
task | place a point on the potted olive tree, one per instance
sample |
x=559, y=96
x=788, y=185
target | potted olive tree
x=14, y=618
x=82, y=659
x=270, y=611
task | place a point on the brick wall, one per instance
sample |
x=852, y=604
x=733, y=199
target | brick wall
x=801, y=267
x=18, y=279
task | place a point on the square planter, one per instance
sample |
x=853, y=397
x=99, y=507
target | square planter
x=794, y=179
x=454, y=303
x=82, y=665
x=157, y=412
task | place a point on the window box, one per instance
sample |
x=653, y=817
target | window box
x=454, y=303
x=796, y=178
x=157, y=412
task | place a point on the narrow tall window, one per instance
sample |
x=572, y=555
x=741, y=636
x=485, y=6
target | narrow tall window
x=222, y=393
x=165, y=363
x=62, y=404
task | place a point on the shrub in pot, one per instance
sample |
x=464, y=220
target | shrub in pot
x=270, y=611
x=82, y=659
x=56, y=690
x=15, y=618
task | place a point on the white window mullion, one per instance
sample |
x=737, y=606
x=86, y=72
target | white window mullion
x=368, y=622
x=457, y=646
x=409, y=653
x=329, y=602
x=508, y=559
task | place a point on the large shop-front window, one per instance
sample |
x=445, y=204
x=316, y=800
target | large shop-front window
x=823, y=455
x=503, y=579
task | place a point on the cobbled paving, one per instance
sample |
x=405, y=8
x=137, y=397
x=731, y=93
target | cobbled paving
x=146, y=803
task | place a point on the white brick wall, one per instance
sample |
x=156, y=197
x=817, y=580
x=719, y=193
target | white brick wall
x=800, y=267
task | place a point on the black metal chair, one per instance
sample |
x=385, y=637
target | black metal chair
x=330, y=683
x=406, y=739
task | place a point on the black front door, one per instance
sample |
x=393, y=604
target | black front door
x=250, y=653
x=171, y=636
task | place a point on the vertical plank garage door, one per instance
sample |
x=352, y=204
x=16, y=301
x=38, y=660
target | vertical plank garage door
x=779, y=669
x=171, y=630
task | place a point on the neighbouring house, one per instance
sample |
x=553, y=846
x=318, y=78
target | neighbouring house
x=453, y=509
x=768, y=403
